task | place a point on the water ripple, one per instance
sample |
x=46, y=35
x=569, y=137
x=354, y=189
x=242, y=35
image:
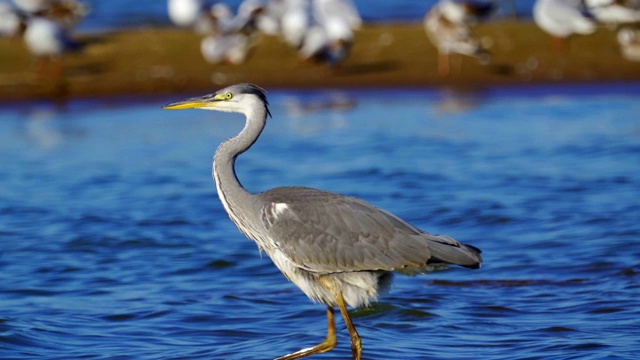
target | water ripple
x=110, y=253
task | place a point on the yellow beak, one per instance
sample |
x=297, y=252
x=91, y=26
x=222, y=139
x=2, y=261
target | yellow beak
x=186, y=104
x=207, y=101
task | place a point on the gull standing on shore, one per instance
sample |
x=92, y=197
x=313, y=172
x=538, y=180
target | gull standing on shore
x=262, y=15
x=326, y=10
x=561, y=19
x=47, y=40
x=295, y=22
x=330, y=38
x=46, y=33
x=447, y=27
x=230, y=38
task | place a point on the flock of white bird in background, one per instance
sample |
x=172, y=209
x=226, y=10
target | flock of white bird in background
x=315, y=29
x=322, y=29
x=563, y=18
x=448, y=25
x=44, y=26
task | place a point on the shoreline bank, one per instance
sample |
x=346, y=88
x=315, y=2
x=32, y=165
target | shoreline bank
x=167, y=60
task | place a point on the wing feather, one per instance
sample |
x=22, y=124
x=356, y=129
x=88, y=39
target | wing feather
x=326, y=232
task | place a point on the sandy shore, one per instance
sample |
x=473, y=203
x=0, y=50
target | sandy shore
x=160, y=61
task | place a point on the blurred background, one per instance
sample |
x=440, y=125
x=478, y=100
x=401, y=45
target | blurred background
x=513, y=126
x=68, y=48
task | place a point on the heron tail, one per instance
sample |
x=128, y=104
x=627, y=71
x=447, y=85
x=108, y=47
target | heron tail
x=444, y=249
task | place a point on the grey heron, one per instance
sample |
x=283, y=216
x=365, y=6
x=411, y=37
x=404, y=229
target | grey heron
x=339, y=250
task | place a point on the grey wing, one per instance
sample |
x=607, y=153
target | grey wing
x=326, y=232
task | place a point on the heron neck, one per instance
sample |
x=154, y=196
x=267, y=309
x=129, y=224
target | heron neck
x=231, y=192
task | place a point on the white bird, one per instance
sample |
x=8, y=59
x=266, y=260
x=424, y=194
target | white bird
x=218, y=18
x=327, y=10
x=45, y=37
x=226, y=40
x=295, y=22
x=233, y=48
x=629, y=41
x=184, y=13
x=447, y=27
x=10, y=21
x=561, y=19
x=259, y=15
x=330, y=36
x=47, y=40
x=614, y=12
x=329, y=42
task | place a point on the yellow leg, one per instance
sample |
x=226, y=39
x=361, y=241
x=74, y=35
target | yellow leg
x=356, y=343
x=327, y=344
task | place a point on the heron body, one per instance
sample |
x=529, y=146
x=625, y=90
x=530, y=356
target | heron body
x=338, y=250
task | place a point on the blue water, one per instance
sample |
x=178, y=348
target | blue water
x=113, y=244
x=114, y=14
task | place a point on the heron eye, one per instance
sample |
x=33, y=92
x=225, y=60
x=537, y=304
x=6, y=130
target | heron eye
x=228, y=95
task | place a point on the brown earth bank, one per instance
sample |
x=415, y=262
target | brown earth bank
x=166, y=60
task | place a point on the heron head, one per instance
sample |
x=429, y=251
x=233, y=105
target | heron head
x=240, y=98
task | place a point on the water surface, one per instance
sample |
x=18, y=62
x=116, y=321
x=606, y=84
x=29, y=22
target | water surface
x=115, y=246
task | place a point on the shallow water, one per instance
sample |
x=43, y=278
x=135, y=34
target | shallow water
x=115, y=246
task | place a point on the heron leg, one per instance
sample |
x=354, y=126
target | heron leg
x=327, y=344
x=356, y=343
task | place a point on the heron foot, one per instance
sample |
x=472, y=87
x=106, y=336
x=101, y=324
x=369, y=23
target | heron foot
x=327, y=344
x=356, y=347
